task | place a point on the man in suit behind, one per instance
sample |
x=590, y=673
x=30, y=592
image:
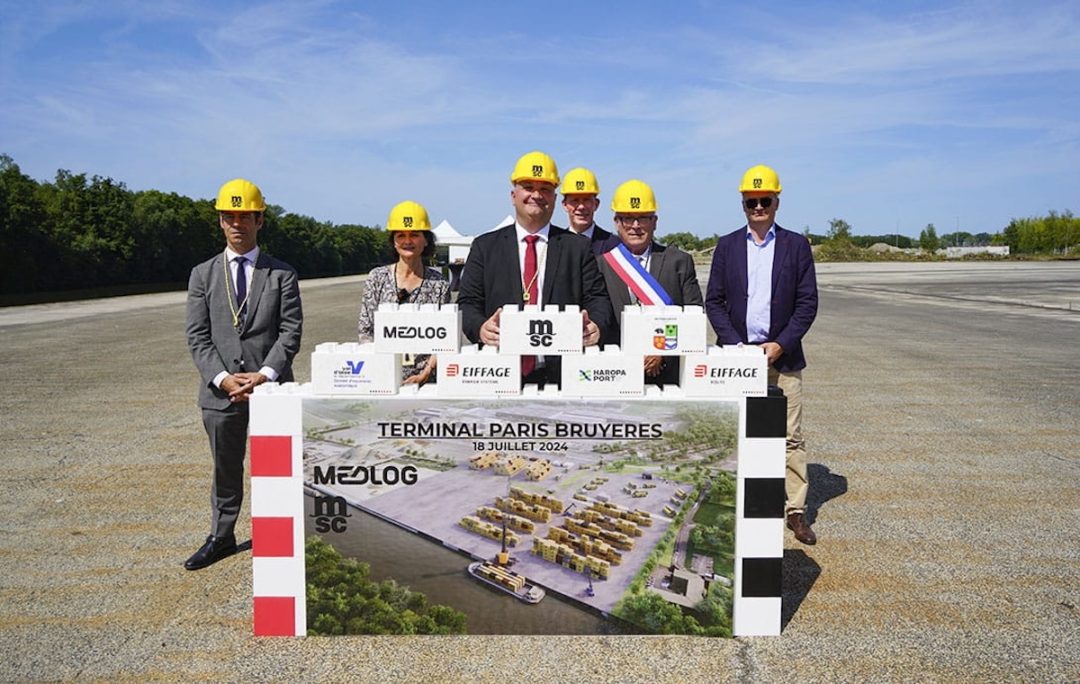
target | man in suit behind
x=532, y=262
x=244, y=322
x=763, y=291
x=634, y=204
x=580, y=201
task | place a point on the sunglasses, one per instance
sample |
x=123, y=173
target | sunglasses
x=754, y=202
x=402, y=296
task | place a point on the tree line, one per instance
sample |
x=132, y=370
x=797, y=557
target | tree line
x=81, y=232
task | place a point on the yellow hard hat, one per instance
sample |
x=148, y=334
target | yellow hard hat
x=579, y=181
x=633, y=197
x=408, y=215
x=535, y=166
x=760, y=178
x=240, y=195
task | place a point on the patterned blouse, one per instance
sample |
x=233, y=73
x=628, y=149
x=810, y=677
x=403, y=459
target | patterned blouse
x=380, y=288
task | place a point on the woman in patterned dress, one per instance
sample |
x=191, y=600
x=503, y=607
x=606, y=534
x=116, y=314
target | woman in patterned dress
x=406, y=281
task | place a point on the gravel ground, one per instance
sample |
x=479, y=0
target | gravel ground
x=941, y=414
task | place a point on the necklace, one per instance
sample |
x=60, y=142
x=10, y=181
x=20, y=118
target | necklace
x=234, y=310
x=404, y=295
x=525, y=287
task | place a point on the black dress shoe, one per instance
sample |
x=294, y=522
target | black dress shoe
x=211, y=552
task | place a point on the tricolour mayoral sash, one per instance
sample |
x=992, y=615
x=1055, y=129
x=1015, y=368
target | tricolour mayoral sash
x=631, y=272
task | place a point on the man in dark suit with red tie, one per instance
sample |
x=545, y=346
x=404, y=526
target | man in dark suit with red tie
x=532, y=262
x=763, y=291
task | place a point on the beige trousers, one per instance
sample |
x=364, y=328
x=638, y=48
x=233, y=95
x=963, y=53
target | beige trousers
x=795, y=482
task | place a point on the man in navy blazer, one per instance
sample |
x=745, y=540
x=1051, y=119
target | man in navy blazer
x=763, y=290
x=580, y=193
x=562, y=266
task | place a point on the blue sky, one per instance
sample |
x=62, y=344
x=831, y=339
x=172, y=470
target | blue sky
x=885, y=114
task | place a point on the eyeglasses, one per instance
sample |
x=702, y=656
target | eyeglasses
x=753, y=202
x=631, y=220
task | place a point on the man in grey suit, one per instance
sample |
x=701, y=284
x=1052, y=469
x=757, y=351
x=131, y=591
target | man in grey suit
x=634, y=204
x=244, y=322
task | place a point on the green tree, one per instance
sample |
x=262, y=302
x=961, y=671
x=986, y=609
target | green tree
x=342, y=599
x=928, y=239
x=714, y=612
x=688, y=242
x=651, y=612
x=25, y=249
x=839, y=231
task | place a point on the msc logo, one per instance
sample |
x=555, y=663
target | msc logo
x=666, y=338
x=700, y=370
x=452, y=370
x=635, y=202
x=236, y=201
x=538, y=171
x=579, y=185
x=406, y=221
x=354, y=366
x=541, y=333
x=330, y=514
x=757, y=183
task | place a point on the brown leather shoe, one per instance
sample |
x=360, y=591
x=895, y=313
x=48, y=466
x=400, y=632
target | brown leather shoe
x=797, y=524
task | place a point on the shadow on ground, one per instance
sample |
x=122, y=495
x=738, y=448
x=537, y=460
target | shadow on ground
x=825, y=485
x=800, y=570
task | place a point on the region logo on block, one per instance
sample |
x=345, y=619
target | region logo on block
x=666, y=338
x=349, y=369
x=452, y=370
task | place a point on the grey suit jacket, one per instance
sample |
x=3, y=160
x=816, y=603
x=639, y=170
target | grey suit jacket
x=269, y=336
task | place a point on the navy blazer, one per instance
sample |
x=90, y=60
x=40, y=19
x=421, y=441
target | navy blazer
x=794, y=294
x=492, y=278
x=600, y=239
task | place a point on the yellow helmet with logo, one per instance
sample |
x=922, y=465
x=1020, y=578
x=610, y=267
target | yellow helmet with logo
x=760, y=178
x=579, y=181
x=408, y=215
x=633, y=197
x=240, y=195
x=535, y=166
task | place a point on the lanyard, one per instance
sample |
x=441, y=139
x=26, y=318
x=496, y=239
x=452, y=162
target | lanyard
x=233, y=309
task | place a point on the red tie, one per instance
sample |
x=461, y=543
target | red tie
x=528, y=363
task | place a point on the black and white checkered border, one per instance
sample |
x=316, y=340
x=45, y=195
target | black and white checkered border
x=759, y=516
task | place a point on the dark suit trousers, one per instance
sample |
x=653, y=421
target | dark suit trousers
x=227, y=430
